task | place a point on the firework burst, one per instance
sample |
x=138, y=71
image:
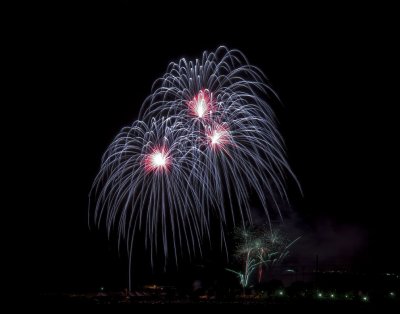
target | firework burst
x=259, y=248
x=206, y=138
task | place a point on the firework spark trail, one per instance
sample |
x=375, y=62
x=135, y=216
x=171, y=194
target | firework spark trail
x=144, y=184
x=222, y=88
x=205, y=139
x=258, y=248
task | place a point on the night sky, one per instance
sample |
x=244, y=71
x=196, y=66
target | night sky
x=94, y=65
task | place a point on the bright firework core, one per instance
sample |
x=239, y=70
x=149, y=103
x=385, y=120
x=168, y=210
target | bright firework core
x=157, y=160
x=218, y=136
x=215, y=138
x=201, y=105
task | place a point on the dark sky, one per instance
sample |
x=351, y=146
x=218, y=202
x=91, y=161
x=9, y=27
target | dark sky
x=94, y=65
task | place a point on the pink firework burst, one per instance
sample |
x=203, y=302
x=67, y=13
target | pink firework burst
x=158, y=160
x=218, y=137
x=201, y=105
